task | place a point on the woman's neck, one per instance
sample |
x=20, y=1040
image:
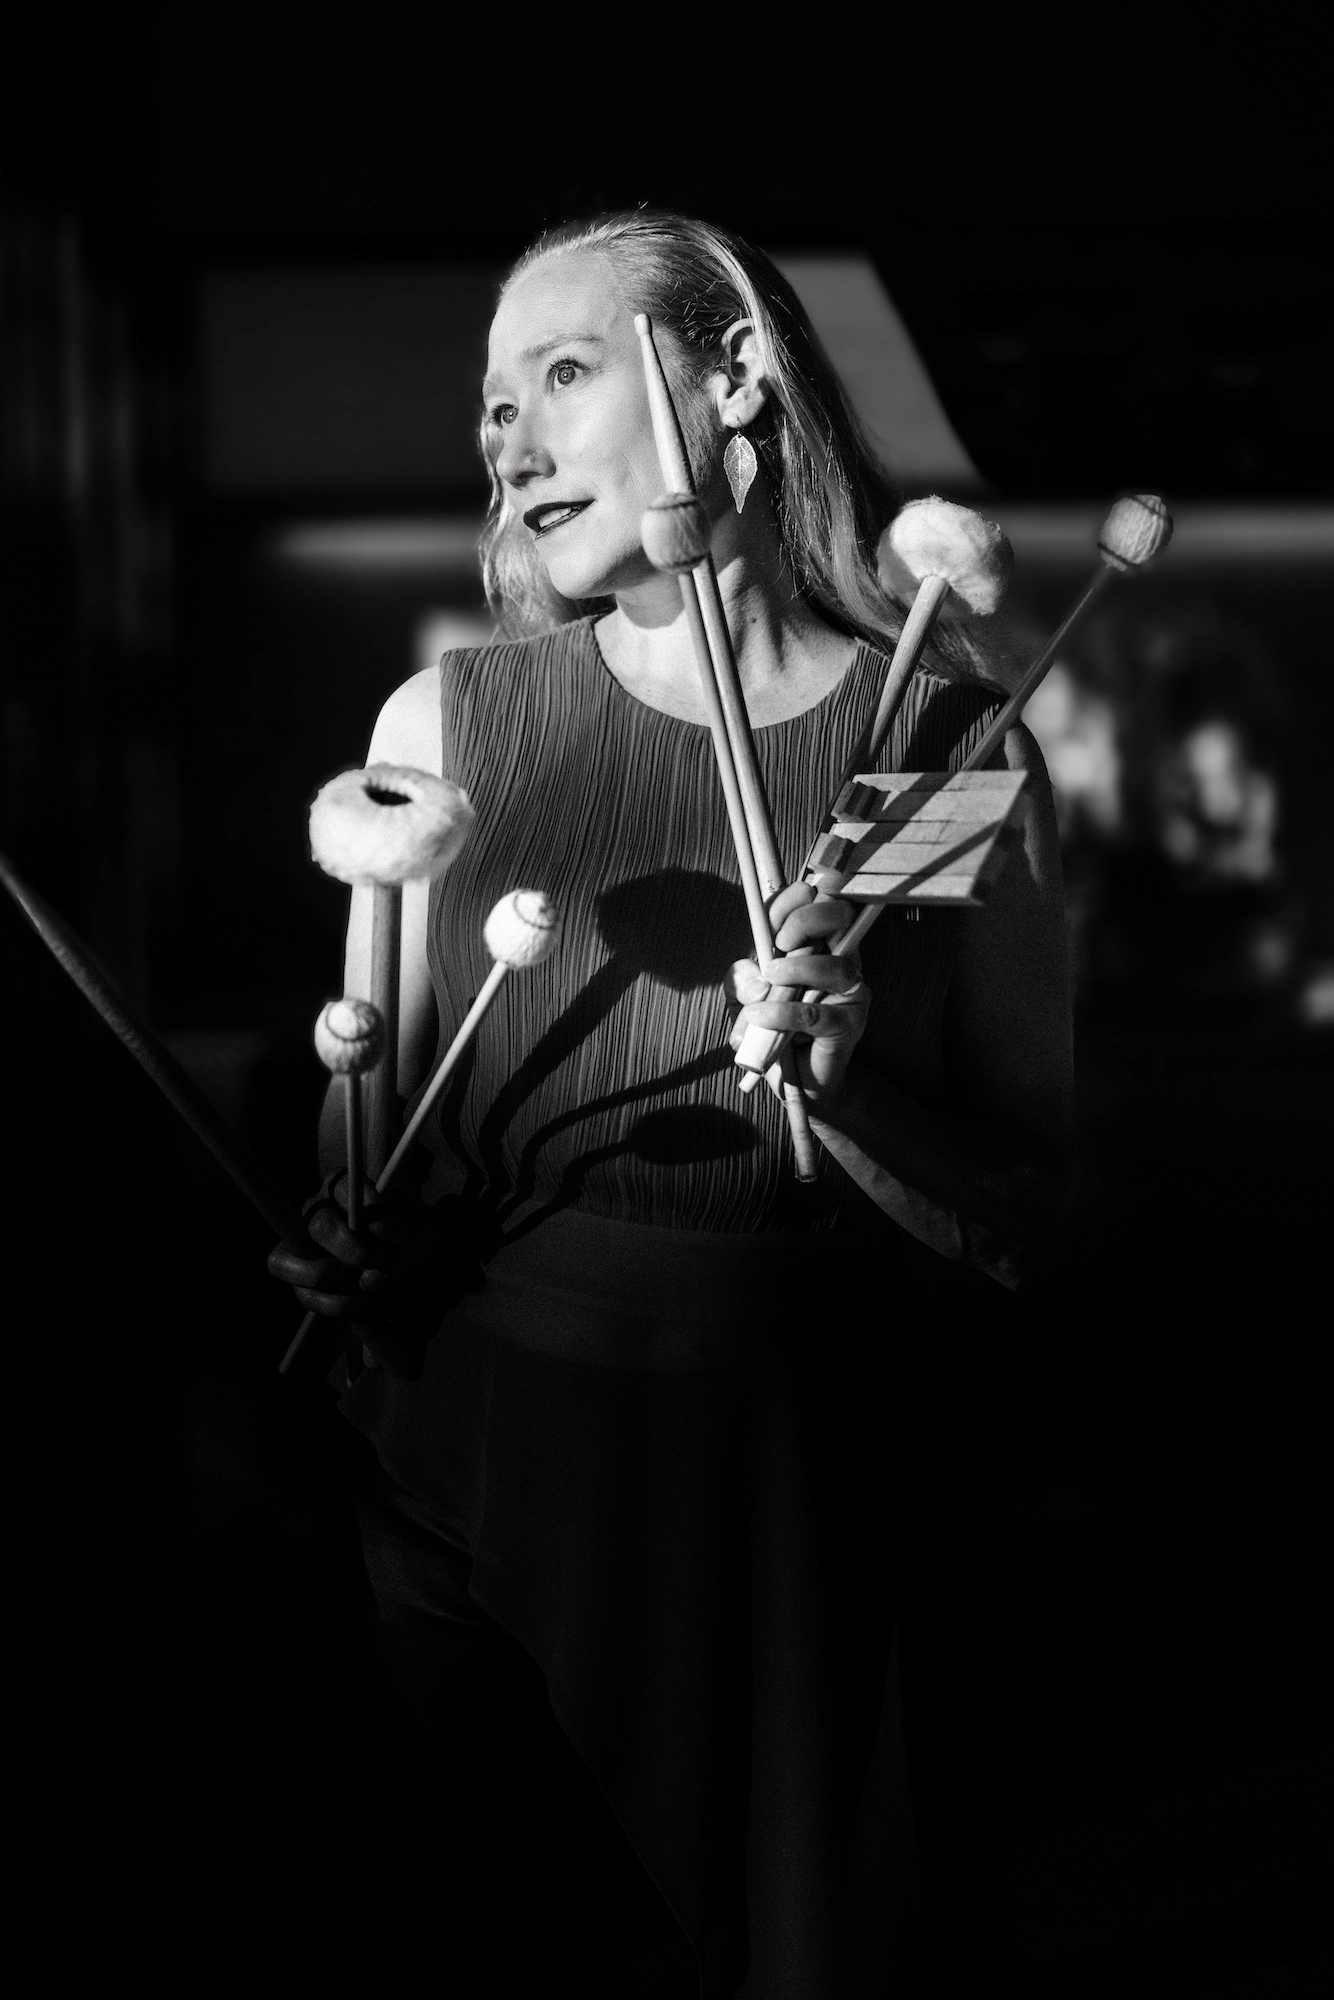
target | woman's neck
x=788, y=659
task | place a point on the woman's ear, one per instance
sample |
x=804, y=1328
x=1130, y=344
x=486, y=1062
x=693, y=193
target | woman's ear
x=738, y=390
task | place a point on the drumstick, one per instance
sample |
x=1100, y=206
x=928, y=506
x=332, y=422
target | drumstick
x=1136, y=529
x=734, y=746
x=520, y=932
x=933, y=550
x=157, y=1062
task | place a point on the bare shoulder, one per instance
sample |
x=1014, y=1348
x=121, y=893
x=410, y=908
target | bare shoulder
x=407, y=729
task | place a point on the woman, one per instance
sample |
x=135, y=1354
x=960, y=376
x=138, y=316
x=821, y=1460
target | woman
x=654, y=1452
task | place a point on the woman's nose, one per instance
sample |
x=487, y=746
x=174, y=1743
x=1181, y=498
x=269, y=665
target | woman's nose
x=522, y=455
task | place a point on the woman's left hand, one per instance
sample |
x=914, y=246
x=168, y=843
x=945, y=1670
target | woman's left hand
x=825, y=1031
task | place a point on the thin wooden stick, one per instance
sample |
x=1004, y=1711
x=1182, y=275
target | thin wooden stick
x=181, y=1092
x=355, y=1149
x=710, y=620
x=448, y=1063
x=917, y=628
x=794, y=1101
x=1014, y=707
x=382, y=1094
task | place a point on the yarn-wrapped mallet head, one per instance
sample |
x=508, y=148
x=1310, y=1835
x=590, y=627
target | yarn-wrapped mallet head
x=349, y=1037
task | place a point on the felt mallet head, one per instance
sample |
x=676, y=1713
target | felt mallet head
x=349, y=1036
x=936, y=537
x=388, y=824
x=1138, y=528
x=675, y=533
x=522, y=929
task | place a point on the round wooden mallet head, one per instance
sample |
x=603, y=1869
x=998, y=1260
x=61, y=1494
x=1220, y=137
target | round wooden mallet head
x=387, y=825
x=675, y=533
x=349, y=1036
x=522, y=929
x=936, y=537
x=1137, y=529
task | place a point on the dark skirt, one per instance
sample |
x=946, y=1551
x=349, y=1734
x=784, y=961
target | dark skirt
x=677, y=1463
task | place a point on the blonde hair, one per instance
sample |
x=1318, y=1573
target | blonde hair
x=831, y=496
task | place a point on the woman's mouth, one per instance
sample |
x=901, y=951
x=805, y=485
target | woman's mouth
x=553, y=514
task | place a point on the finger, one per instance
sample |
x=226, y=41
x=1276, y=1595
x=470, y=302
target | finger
x=320, y=1273
x=745, y=981
x=801, y=968
x=332, y=1305
x=803, y=1017
x=329, y=1228
x=787, y=900
x=815, y=922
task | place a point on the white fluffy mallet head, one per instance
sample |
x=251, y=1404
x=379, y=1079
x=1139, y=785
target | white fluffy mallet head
x=675, y=533
x=388, y=824
x=523, y=929
x=1135, y=531
x=349, y=1036
x=937, y=538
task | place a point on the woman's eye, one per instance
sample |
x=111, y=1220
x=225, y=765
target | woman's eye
x=504, y=413
x=564, y=372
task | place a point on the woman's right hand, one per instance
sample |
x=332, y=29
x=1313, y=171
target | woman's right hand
x=365, y=1278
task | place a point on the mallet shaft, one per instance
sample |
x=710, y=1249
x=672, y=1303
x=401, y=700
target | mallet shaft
x=922, y=615
x=448, y=1063
x=1014, y=707
x=355, y=1148
x=798, y=1114
x=382, y=1080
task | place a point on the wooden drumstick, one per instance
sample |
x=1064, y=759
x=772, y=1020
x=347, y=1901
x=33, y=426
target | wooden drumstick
x=686, y=553
x=522, y=930
x=932, y=552
x=674, y=531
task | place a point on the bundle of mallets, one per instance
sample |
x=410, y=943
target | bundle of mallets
x=378, y=829
x=917, y=837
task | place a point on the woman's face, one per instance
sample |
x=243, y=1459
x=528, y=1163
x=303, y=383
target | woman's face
x=569, y=425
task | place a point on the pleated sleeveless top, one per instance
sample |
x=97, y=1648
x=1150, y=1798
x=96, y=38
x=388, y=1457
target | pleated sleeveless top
x=602, y=1079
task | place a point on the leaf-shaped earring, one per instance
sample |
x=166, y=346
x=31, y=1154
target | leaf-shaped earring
x=740, y=464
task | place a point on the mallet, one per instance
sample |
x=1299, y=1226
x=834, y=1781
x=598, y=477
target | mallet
x=678, y=541
x=935, y=554
x=522, y=930
x=939, y=556
x=349, y=1040
x=1137, y=529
